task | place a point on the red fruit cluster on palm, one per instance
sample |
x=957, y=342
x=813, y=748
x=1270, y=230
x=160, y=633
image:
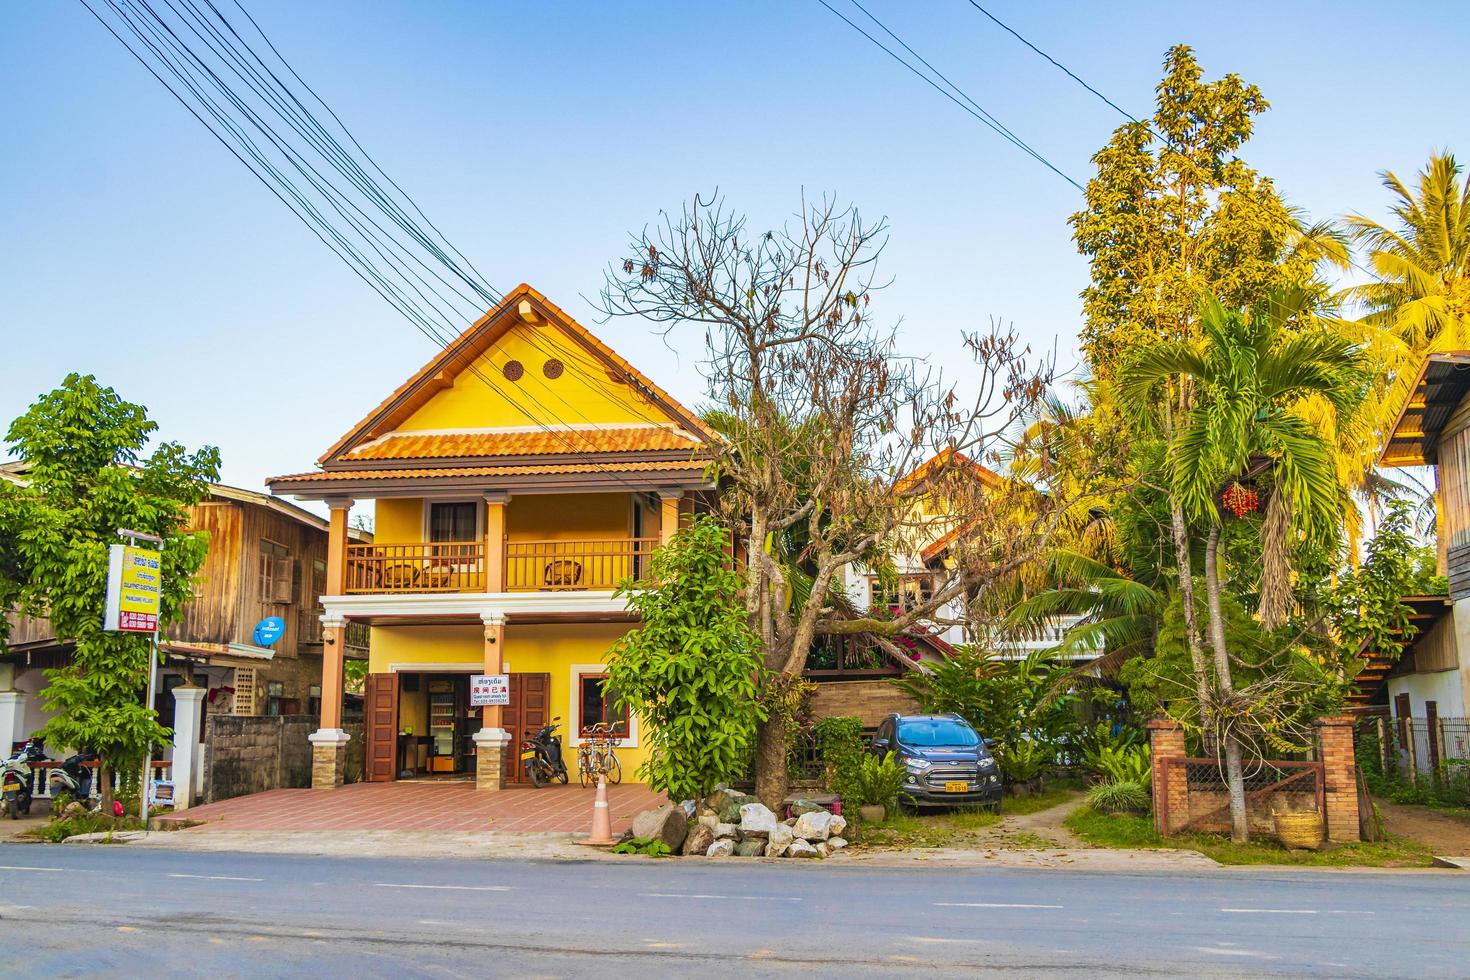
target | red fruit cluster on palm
x=1240, y=500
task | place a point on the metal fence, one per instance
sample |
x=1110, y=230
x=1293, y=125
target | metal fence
x=1198, y=797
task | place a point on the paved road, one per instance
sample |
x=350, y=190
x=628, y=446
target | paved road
x=77, y=910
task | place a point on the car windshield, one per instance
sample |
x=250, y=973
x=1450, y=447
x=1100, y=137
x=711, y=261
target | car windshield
x=937, y=731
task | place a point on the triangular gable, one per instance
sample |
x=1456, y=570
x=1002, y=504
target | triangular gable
x=525, y=365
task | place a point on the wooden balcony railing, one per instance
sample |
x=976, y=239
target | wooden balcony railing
x=567, y=566
x=529, y=566
x=440, y=566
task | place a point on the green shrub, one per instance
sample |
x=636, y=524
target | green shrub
x=651, y=846
x=839, y=744
x=876, y=781
x=1022, y=761
x=1118, y=796
x=1123, y=764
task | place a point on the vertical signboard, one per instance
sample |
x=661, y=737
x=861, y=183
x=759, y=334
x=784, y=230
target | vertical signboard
x=134, y=586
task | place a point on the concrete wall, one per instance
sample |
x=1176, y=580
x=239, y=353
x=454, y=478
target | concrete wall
x=252, y=754
x=1442, y=687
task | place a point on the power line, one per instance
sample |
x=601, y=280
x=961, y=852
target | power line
x=1128, y=115
x=973, y=107
x=172, y=55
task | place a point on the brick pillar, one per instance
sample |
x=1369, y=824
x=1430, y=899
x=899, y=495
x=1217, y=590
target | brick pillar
x=328, y=757
x=1170, y=786
x=1340, y=775
x=491, y=739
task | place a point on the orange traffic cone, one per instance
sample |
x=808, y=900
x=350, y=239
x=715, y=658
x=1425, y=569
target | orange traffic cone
x=601, y=835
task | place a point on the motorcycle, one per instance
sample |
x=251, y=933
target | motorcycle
x=541, y=756
x=72, y=781
x=15, y=778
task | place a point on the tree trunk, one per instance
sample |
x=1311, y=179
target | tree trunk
x=771, y=776
x=1234, y=769
x=104, y=784
x=1276, y=561
x=1186, y=595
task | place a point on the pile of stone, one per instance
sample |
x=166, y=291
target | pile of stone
x=730, y=824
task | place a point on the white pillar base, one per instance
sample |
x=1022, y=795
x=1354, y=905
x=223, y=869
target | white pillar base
x=188, y=702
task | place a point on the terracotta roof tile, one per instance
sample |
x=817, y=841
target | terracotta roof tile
x=431, y=473
x=429, y=445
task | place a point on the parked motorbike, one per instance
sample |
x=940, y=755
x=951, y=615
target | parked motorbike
x=15, y=778
x=72, y=780
x=541, y=756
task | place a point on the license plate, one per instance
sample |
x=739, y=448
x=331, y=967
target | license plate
x=527, y=755
x=960, y=787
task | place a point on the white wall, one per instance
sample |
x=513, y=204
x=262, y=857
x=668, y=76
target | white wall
x=1442, y=687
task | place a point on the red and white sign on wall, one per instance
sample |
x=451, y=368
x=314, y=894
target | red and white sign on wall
x=488, y=690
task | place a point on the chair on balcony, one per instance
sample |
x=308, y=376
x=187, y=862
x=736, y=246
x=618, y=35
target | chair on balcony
x=400, y=575
x=563, y=573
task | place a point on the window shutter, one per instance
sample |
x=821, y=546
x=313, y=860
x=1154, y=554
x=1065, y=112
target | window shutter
x=281, y=580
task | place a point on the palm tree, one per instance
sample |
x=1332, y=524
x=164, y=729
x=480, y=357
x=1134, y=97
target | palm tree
x=1423, y=293
x=1251, y=372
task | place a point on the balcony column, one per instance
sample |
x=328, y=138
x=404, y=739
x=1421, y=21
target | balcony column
x=338, y=509
x=491, y=739
x=495, y=502
x=669, y=509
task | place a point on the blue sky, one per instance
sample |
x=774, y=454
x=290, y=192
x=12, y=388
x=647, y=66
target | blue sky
x=536, y=135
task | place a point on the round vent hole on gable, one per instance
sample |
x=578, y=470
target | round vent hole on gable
x=513, y=370
x=553, y=368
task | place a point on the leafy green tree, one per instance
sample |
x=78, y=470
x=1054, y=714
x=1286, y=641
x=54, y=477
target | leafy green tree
x=691, y=672
x=87, y=476
x=1366, y=608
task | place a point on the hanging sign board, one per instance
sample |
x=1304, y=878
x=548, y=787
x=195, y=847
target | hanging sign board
x=134, y=585
x=488, y=690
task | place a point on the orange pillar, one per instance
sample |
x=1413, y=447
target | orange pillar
x=491, y=739
x=669, y=514
x=495, y=541
x=329, y=742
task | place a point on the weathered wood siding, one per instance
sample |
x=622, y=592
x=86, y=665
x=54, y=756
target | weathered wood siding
x=1452, y=476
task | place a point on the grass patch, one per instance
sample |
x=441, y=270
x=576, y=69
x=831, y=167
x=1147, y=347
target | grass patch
x=57, y=830
x=1132, y=831
x=955, y=828
x=1055, y=794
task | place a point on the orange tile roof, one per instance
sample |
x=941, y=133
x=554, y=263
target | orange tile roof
x=547, y=469
x=946, y=458
x=432, y=445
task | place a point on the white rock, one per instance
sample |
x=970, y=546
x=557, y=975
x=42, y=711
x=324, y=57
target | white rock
x=801, y=849
x=822, y=848
x=726, y=830
x=836, y=826
x=836, y=843
x=813, y=826
x=756, y=820
x=721, y=849
x=779, y=840
x=710, y=820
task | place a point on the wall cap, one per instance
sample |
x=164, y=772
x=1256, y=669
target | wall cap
x=1335, y=721
x=1162, y=724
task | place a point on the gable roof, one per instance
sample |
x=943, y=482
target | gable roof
x=522, y=304
x=947, y=458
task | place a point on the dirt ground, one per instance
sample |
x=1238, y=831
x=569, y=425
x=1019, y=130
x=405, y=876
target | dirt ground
x=1442, y=833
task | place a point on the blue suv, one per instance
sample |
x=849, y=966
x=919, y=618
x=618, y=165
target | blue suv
x=947, y=762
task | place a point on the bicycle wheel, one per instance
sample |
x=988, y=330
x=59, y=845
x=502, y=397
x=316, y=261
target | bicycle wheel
x=614, y=770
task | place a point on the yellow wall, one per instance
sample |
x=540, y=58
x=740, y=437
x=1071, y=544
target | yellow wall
x=582, y=395
x=549, y=649
x=399, y=520
x=569, y=516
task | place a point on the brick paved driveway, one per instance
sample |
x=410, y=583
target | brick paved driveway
x=423, y=805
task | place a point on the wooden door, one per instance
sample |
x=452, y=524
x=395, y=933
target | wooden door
x=380, y=723
x=529, y=709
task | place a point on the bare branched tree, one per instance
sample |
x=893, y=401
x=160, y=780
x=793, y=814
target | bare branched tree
x=828, y=426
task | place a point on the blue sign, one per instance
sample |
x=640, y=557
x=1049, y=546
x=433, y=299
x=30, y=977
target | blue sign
x=269, y=630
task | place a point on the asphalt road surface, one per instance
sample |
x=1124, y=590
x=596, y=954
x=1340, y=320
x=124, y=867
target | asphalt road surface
x=84, y=911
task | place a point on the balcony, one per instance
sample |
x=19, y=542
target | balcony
x=525, y=566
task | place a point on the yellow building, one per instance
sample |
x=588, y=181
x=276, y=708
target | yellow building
x=517, y=477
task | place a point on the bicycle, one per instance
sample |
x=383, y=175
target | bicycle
x=597, y=756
